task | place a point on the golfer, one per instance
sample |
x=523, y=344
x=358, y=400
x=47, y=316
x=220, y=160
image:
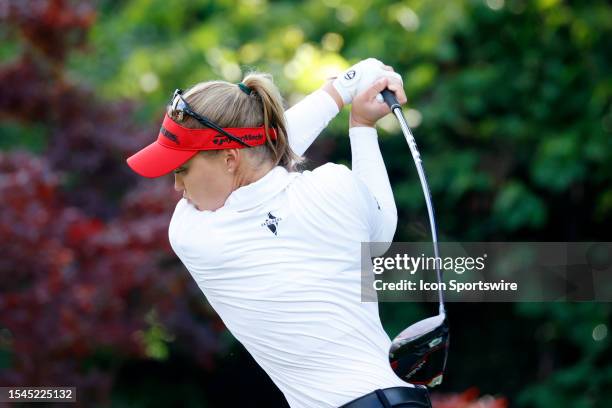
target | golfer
x=277, y=252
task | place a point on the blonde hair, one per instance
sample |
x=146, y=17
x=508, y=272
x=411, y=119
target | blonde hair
x=229, y=106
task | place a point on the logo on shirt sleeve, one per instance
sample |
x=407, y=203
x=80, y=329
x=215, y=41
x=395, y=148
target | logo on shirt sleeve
x=272, y=223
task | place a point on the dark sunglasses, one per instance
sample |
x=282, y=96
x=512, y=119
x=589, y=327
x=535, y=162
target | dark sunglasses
x=180, y=107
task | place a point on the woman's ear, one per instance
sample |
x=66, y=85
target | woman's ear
x=231, y=160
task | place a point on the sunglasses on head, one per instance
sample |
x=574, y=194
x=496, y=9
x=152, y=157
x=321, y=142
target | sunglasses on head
x=180, y=107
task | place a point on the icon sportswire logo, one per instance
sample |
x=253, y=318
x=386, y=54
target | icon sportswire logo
x=272, y=223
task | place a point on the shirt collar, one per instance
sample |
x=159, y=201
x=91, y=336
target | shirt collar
x=251, y=195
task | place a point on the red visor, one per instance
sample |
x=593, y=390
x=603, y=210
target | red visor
x=176, y=144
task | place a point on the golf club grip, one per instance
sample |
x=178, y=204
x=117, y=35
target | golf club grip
x=390, y=99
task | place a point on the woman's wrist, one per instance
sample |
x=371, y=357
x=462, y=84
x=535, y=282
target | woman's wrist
x=331, y=90
x=356, y=121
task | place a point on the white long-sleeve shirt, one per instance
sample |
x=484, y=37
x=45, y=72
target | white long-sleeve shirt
x=280, y=263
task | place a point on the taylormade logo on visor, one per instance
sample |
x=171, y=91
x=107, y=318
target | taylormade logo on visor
x=220, y=139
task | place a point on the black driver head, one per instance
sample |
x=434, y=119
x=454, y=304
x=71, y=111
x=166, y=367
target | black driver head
x=418, y=354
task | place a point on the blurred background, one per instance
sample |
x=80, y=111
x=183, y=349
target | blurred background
x=510, y=102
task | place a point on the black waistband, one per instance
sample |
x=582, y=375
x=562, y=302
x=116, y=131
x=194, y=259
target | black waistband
x=408, y=397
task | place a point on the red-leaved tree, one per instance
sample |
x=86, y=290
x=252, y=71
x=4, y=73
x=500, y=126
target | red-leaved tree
x=85, y=253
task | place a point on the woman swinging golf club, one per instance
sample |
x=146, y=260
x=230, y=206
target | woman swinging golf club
x=277, y=252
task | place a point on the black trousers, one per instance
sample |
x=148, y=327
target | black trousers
x=396, y=397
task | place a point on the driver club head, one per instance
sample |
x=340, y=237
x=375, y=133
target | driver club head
x=418, y=354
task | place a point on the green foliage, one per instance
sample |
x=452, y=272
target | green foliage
x=516, y=207
x=583, y=377
x=22, y=136
x=155, y=337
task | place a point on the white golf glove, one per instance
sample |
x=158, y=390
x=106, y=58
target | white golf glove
x=359, y=77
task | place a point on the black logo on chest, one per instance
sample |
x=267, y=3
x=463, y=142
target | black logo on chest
x=272, y=223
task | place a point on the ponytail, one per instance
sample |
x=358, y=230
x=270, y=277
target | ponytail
x=262, y=87
x=230, y=106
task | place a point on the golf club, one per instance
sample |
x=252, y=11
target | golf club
x=418, y=354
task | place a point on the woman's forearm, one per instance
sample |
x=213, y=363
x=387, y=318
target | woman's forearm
x=306, y=119
x=369, y=167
